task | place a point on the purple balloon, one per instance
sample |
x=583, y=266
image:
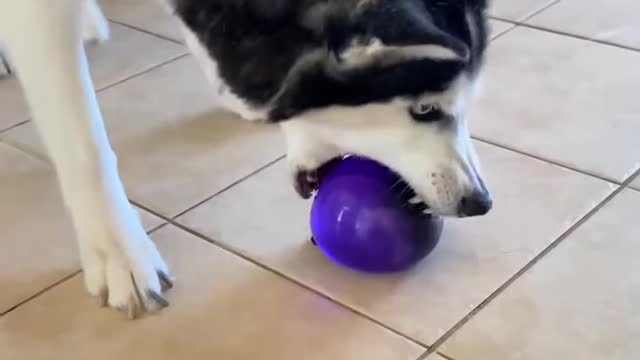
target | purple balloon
x=359, y=220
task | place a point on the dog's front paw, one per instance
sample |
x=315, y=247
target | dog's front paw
x=126, y=274
x=306, y=182
x=307, y=157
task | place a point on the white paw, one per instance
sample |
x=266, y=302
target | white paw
x=129, y=278
x=306, y=171
x=306, y=155
x=305, y=182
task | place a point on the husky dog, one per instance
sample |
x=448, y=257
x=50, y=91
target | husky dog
x=386, y=79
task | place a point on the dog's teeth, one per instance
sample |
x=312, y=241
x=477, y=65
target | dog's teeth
x=415, y=200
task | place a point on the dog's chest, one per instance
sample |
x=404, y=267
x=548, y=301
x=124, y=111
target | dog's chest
x=224, y=97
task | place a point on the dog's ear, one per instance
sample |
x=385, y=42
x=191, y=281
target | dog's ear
x=389, y=33
x=373, y=51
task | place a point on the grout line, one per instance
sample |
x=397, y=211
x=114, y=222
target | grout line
x=526, y=17
x=31, y=155
x=228, y=187
x=574, y=36
x=64, y=279
x=14, y=126
x=154, y=67
x=546, y=7
x=528, y=266
x=545, y=160
x=41, y=291
x=133, y=27
x=231, y=250
x=633, y=178
x=560, y=32
x=157, y=227
x=118, y=82
x=444, y=356
x=513, y=22
x=4, y=63
x=496, y=37
x=518, y=22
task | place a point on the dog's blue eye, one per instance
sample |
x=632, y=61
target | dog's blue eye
x=426, y=113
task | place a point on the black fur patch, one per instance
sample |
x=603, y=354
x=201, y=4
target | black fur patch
x=314, y=88
x=254, y=42
x=271, y=54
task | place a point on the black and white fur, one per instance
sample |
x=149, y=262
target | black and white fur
x=387, y=79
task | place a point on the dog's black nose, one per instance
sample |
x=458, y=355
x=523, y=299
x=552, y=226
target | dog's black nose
x=476, y=204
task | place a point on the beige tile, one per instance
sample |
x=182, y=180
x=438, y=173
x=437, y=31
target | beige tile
x=26, y=138
x=174, y=149
x=579, y=302
x=127, y=53
x=499, y=27
x=37, y=246
x=4, y=69
x=12, y=104
x=435, y=357
x=149, y=221
x=222, y=308
x=149, y=15
x=562, y=99
x=616, y=22
x=474, y=258
x=517, y=10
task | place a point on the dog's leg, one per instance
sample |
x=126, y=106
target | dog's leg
x=95, y=27
x=121, y=264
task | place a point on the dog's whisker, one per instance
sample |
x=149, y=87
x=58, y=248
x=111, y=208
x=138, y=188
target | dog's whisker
x=398, y=182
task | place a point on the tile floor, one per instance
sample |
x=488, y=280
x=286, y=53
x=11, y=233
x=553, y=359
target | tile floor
x=550, y=274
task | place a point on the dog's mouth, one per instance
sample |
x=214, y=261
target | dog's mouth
x=409, y=198
x=401, y=190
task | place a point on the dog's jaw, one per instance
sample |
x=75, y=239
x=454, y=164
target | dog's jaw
x=438, y=161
